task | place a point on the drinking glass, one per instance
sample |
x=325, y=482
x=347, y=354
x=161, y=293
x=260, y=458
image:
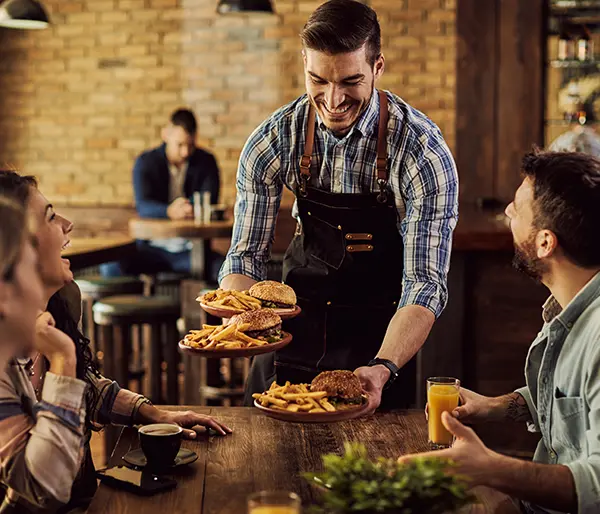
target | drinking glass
x=442, y=395
x=274, y=502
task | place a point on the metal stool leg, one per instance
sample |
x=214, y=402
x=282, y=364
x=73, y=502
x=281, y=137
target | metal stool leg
x=172, y=359
x=155, y=364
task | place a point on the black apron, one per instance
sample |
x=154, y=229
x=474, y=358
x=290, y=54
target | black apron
x=345, y=264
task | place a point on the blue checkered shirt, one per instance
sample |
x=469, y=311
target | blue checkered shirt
x=423, y=180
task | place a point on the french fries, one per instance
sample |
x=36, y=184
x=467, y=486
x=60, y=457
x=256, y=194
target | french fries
x=230, y=300
x=294, y=398
x=221, y=337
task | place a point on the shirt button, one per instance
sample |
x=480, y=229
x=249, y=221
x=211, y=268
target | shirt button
x=545, y=380
x=543, y=418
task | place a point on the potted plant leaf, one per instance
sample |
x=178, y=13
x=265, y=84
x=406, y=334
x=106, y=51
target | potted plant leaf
x=352, y=483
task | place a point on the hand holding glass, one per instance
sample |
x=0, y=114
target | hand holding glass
x=442, y=395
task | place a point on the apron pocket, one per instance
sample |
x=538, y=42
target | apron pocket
x=331, y=253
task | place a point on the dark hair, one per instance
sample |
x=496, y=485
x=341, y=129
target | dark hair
x=343, y=26
x=17, y=188
x=86, y=368
x=185, y=119
x=566, y=193
x=12, y=232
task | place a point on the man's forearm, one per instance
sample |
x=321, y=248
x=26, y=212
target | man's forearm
x=547, y=485
x=406, y=333
x=510, y=406
x=237, y=282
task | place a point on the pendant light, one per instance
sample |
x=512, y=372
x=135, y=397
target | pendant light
x=244, y=6
x=23, y=14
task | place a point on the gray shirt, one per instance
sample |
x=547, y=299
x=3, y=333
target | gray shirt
x=562, y=373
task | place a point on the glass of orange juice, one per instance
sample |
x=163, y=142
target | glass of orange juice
x=274, y=502
x=442, y=395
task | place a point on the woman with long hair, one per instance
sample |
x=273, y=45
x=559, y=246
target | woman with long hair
x=106, y=402
x=51, y=430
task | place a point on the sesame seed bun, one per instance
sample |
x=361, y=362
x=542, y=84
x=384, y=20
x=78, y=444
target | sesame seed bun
x=261, y=319
x=272, y=291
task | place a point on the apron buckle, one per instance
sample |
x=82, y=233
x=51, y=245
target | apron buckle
x=303, y=181
x=383, y=194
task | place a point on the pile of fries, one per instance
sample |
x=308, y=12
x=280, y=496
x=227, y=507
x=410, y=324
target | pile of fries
x=294, y=398
x=221, y=337
x=230, y=300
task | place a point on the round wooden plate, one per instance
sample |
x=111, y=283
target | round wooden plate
x=316, y=417
x=237, y=352
x=228, y=313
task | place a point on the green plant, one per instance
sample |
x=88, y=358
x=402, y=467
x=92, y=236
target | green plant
x=354, y=483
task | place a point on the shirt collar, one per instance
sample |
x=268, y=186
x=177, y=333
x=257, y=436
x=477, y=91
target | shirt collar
x=568, y=316
x=178, y=172
x=367, y=122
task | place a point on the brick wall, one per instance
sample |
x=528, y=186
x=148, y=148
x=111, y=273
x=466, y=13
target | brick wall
x=79, y=101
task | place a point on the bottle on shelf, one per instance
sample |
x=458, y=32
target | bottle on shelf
x=566, y=44
x=585, y=45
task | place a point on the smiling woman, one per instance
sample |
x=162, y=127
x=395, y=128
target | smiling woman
x=20, y=287
x=67, y=475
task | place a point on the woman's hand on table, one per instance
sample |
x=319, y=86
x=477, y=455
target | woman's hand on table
x=188, y=420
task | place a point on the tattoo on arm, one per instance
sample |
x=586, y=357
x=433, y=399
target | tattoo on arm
x=516, y=408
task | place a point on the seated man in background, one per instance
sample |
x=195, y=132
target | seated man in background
x=553, y=220
x=164, y=181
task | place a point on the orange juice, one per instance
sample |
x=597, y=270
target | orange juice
x=440, y=398
x=274, y=509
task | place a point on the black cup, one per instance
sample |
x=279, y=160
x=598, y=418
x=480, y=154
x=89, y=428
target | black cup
x=160, y=443
x=217, y=212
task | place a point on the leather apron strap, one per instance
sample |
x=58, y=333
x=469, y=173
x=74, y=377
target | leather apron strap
x=382, y=158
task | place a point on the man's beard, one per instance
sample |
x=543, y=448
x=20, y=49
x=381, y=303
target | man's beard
x=525, y=261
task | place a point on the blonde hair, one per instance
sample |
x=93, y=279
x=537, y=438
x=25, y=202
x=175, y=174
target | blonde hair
x=13, y=228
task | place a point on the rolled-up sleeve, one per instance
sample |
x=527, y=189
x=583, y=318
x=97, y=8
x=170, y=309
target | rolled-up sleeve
x=532, y=426
x=40, y=456
x=114, y=405
x=430, y=189
x=259, y=189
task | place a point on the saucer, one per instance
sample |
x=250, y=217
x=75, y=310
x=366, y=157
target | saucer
x=138, y=459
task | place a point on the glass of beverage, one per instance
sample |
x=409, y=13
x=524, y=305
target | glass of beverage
x=274, y=502
x=442, y=395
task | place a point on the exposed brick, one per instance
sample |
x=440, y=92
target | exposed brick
x=79, y=125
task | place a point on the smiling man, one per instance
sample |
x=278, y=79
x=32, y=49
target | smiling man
x=376, y=204
x=554, y=223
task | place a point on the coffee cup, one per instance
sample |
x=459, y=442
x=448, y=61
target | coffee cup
x=160, y=443
x=217, y=212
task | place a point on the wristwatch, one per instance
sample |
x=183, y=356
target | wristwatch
x=394, y=370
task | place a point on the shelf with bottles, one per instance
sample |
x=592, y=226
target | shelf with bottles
x=566, y=123
x=563, y=7
x=575, y=46
x=574, y=63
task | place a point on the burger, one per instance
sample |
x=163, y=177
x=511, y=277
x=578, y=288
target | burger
x=274, y=295
x=343, y=388
x=263, y=324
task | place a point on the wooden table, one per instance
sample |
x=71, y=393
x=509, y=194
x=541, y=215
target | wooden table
x=263, y=454
x=86, y=252
x=199, y=234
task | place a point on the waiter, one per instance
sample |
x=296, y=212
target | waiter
x=376, y=203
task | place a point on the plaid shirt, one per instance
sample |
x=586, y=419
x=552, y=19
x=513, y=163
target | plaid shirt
x=423, y=180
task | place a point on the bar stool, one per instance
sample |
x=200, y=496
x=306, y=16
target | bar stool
x=116, y=316
x=96, y=287
x=164, y=283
